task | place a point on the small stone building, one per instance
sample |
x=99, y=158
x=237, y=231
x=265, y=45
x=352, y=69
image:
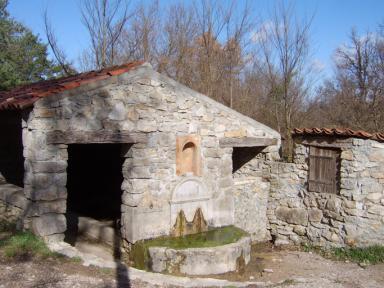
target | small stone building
x=126, y=143
x=333, y=193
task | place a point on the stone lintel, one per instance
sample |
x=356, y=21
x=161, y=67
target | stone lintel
x=79, y=137
x=247, y=142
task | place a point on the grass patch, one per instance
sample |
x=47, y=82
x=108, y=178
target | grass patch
x=24, y=246
x=368, y=255
x=286, y=282
x=21, y=245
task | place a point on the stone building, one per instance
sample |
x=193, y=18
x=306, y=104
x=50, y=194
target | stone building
x=333, y=193
x=128, y=143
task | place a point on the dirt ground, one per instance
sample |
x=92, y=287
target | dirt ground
x=287, y=268
x=292, y=268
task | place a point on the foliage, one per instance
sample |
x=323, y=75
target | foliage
x=23, y=57
x=23, y=246
x=261, y=69
x=367, y=255
x=7, y=226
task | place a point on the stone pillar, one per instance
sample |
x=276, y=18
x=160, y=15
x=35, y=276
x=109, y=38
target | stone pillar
x=45, y=181
x=143, y=215
x=223, y=199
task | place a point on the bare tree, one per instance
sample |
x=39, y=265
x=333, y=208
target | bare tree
x=105, y=21
x=355, y=97
x=58, y=53
x=223, y=31
x=139, y=39
x=282, y=57
x=177, y=44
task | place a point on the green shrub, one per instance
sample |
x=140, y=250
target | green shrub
x=369, y=255
x=24, y=246
x=7, y=226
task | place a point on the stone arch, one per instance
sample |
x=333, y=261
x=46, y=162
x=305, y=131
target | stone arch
x=189, y=195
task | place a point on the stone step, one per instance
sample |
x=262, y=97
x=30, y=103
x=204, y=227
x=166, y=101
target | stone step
x=101, y=231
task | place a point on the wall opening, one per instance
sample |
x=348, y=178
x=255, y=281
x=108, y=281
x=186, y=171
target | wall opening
x=188, y=155
x=189, y=158
x=94, y=178
x=242, y=155
x=11, y=148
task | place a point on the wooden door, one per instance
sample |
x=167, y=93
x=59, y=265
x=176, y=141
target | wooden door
x=324, y=169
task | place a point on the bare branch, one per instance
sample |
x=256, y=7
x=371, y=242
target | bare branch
x=56, y=50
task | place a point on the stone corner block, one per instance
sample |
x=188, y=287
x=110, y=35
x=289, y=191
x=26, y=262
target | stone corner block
x=49, y=224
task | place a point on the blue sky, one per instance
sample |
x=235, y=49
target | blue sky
x=332, y=22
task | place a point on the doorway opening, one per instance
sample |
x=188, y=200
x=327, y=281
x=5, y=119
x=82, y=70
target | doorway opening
x=94, y=178
x=11, y=148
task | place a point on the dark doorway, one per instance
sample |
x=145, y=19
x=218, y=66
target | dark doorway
x=242, y=155
x=94, y=178
x=11, y=148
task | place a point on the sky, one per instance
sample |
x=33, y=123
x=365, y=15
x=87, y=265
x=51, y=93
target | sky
x=332, y=22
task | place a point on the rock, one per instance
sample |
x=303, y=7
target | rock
x=48, y=194
x=118, y=112
x=333, y=205
x=300, y=230
x=2, y=179
x=45, y=207
x=315, y=215
x=266, y=270
x=49, y=166
x=375, y=197
x=347, y=155
x=132, y=199
x=281, y=242
x=363, y=264
x=49, y=224
x=297, y=216
x=377, y=155
x=236, y=133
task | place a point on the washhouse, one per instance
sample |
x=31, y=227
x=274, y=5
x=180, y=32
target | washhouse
x=126, y=146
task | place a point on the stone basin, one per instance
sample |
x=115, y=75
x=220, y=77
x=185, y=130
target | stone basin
x=201, y=261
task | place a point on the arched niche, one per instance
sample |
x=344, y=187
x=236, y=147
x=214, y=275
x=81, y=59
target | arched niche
x=188, y=159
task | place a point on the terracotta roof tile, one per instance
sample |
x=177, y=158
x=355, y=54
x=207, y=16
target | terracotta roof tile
x=24, y=96
x=337, y=132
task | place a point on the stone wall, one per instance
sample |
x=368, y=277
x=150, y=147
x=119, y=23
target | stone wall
x=251, y=192
x=152, y=105
x=13, y=204
x=355, y=216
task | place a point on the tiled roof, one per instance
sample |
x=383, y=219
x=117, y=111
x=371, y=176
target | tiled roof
x=337, y=132
x=24, y=96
